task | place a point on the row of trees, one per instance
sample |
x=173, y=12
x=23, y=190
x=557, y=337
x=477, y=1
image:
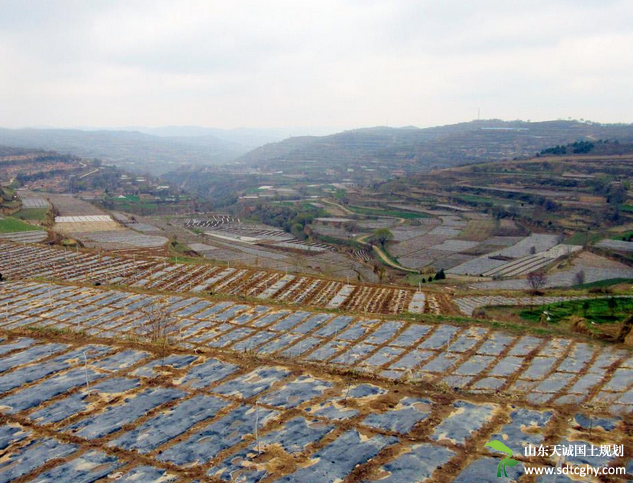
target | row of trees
x=289, y=218
x=579, y=147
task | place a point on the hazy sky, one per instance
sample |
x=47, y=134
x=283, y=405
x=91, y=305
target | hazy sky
x=336, y=64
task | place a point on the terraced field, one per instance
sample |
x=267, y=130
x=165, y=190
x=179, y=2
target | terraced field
x=468, y=305
x=81, y=220
x=302, y=246
x=595, y=269
x=211, y=221
x=532, y=263
x=477, y=359
x=617, y=245
x=34, y=236
x=30, y=201
x=517, y=259
x=18, y=262
x=247, y=233
x=242, y=394
x=228, y=228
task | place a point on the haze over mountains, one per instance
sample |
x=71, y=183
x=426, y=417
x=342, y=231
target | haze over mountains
x=162, y=151
x=244, y=137
x=410, y=148
x=415, y=149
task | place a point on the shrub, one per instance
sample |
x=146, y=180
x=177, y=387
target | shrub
x=578, y=325
x=480, y=313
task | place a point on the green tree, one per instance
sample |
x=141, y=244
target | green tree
x=586, y=305
x=616, y=195
x=382, y=236
x=613, y=304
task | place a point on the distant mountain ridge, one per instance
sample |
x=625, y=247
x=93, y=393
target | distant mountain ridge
x=142, y=148
x=131, y=149
x=244, y=137
x=414, y=149
x=409, y=148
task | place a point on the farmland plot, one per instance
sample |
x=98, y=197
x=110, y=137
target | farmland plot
x=372, y=225
x=34, y=202
x=120, y=239
x=594, y=268
x=501, y=241
x=440, y=245
x=468, y=305
x=19, y=262
x=332, y=231
x=533, y=244
x=475, y=359
x=142, y=227
x=478, y=230
x=68, y=205
x=32, y=236
x=230, y=229
x=202, y=248
x=22, y=261
x=248, y=233
x=531, y=263
x=302, y=246
x=439, y=259
x=211, y=221
x=363, y=255
x=99, y=411
x=85, y=222
x=617, y=245
x=407, y=232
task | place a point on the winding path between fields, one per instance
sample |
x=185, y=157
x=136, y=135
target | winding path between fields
x=383, y=255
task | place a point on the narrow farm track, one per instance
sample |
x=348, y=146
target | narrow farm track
x=383, y=255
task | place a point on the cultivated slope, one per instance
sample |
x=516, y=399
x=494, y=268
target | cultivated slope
x=413, y=148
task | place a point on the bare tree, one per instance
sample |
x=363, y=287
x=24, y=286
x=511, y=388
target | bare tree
x=537, y=280
x=297, y=262
x=382, y=273
x=579, y=277
x=158, y=328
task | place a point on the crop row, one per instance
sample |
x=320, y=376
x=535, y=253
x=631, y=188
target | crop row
x=101, y=413
x=26, y=261
x=476, y=359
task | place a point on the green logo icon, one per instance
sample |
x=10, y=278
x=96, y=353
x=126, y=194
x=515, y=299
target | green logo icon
x=507, y=461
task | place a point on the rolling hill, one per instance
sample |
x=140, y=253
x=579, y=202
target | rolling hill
x=415, y=149
x=129, y=149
